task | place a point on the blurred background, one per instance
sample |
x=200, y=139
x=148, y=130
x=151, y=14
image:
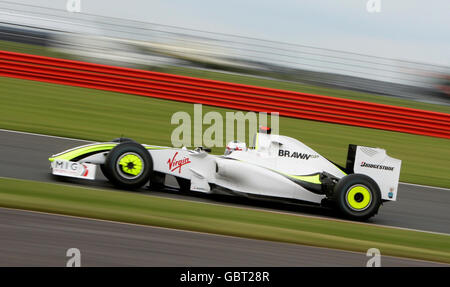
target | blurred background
x=48, y=28
x=398, y=56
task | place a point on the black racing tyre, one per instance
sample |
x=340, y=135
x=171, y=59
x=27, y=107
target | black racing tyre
x=185, y=184
x=357, y=196
x=105, y=171
x=116, y=140
x=157, y=181
x=129, y=165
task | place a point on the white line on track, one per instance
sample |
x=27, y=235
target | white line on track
x=426, y=186
x=73, y=139
x=251, y=208
x=205, y=233
x=41, y=135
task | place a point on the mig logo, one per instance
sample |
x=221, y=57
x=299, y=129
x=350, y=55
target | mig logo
x=175, y=163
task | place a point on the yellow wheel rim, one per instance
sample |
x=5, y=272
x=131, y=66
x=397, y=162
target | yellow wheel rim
x=358, y=197
x=131, y=164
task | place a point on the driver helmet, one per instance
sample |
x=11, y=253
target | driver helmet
x=235, y=145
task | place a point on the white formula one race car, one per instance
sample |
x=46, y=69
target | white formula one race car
x=278, y=167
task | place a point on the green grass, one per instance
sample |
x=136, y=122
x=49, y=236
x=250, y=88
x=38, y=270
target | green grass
x=248, y=80
x=187, y=215
x=30, y=49
x=99, y=115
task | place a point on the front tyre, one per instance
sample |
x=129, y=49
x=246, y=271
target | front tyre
x=357, y=196
x=116, y=140
x=128, y=165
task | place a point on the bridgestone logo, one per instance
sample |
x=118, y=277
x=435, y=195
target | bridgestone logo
x=377, y=166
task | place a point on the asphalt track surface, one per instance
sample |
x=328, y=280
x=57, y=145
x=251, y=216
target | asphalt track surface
x=28, y=238
x=40, y=239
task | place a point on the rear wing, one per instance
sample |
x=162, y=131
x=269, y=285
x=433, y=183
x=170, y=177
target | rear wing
x=375, y=163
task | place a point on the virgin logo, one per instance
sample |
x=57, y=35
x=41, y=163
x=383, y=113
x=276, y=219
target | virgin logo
x=175, y=164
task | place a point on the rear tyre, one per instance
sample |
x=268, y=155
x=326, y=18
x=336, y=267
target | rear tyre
x=357, y=196
x=129, y=165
